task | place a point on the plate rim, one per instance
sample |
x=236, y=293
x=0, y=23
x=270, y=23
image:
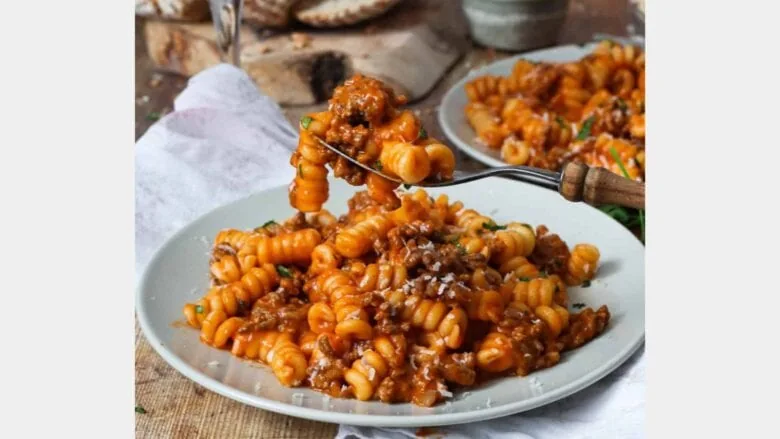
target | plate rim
x=356, y=419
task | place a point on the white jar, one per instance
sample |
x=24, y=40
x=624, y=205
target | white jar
x=515, y=25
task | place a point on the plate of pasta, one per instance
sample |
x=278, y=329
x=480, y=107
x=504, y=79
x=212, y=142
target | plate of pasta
x=386, y=305
x=546, y=107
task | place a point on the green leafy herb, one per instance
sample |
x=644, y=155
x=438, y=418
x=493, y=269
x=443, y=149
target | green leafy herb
x=300, y=171
x=560, y=121
x=492, y=226
x=378, y=165
x=154, y=115
x=199, y=309
x=586, y=284
x=422, y=134
x=407, y=186
x=542, y=273
x=139, y=409
x=524, y=279
x=585, y=131
x=619, y=161
x=579, y=305
x=283, y=271
x=268, y=223
x=305, y=121
x=454, y=239
x=622, y=105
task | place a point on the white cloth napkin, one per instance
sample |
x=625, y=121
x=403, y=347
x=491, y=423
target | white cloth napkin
x=223, y=141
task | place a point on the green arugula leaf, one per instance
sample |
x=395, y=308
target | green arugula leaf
x=306, y=121
x=619, y=161
x=283, y=271
x=492, y=226
x=584, y=132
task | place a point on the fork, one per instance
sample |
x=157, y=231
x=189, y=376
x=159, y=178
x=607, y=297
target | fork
x=575, y=182
x=226, y=16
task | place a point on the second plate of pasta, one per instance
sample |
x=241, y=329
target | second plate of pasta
x=208, y=352
x=548, y=106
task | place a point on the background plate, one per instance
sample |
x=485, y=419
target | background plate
x=178, y=273
x=452, y=119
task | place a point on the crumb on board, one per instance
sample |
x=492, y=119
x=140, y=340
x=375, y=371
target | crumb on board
x=300, y=40
x=156, y=80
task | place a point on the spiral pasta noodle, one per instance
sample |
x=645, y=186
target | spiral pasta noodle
x=582, y=264
x=355, y=241
x=295, y=247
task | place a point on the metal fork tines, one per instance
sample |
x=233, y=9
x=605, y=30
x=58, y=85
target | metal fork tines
x=539, y=177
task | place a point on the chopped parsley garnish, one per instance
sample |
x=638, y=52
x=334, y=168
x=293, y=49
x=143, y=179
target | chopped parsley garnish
x=268, y=223
x=300, y=171
x=619, y=161
x=283, y=271
x=459, y=246
x=622, y=105
x=139, y=409
x=524, y=279
x=378, y=165
x=305, y=121
x=586, y=284
x=585, y=131
x=492, y=226
x=199, y=309
x=560, y=121
x=407, y=186
x=542, y=273
x=422, y=134
x=579, y=305
x=154, y=115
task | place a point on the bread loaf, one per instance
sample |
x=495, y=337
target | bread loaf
x=335, y=13
x=180, y=10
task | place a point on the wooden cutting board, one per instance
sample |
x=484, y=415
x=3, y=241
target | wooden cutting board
x=410, y=48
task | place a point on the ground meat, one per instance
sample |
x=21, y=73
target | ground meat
x=327, y=375
x=550, y=253
x=426, y=383
x=584, y=326
x=459, y=368
x=358, y=348
x=275, y=312
x=352, y=174
x=395, y=388
x=361, y=201
x=364, y=100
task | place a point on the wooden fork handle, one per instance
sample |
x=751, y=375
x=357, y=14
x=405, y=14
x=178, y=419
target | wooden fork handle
x=599, y=186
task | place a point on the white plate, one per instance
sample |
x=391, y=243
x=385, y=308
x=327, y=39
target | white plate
x=452, y=119
x=178, y=274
